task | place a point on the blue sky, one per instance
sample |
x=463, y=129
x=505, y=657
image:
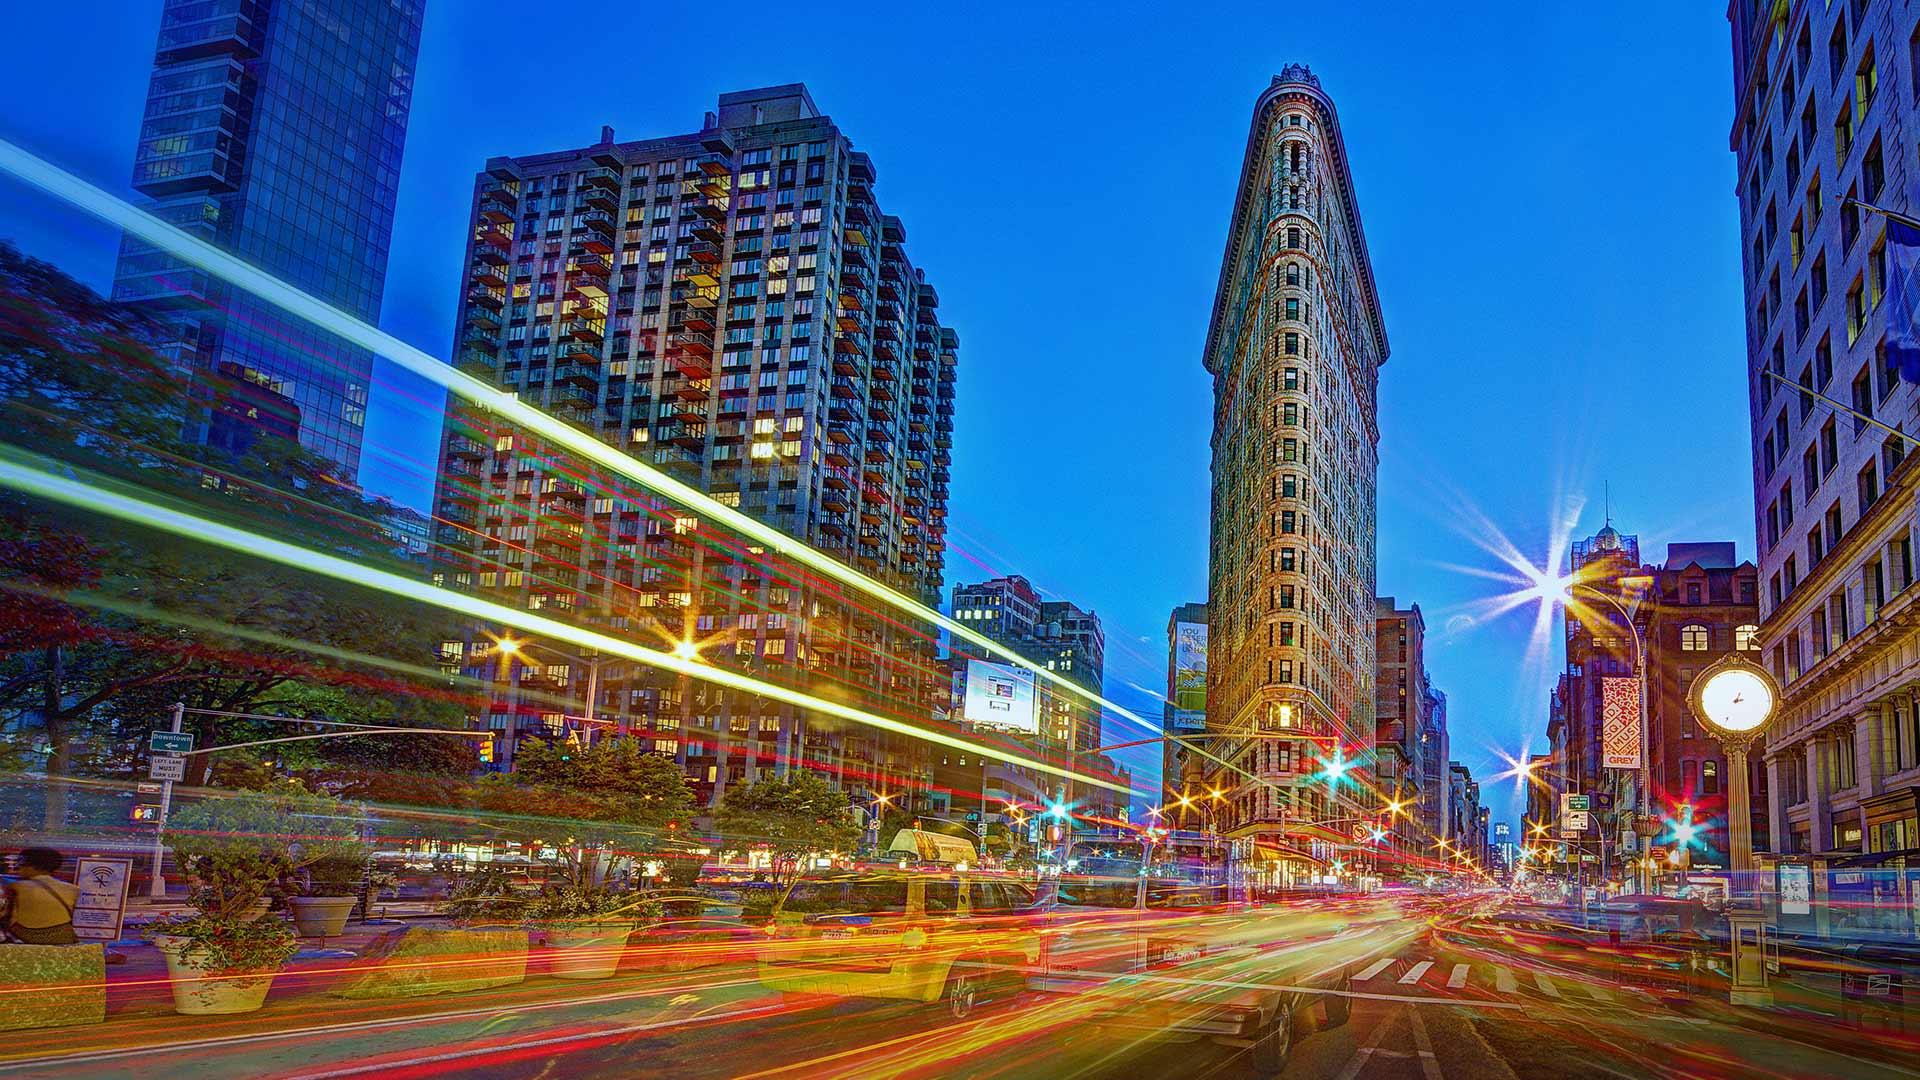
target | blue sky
x=1547, y=197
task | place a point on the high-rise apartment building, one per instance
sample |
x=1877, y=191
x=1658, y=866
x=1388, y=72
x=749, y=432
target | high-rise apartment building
x=1064, y=637
x=732, y=307
x=274, y=129
x=1294, y=347
x=1826, y=114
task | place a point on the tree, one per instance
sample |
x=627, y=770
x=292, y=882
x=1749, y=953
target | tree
x=652, y=786
x=102, y=629
x=792, y=816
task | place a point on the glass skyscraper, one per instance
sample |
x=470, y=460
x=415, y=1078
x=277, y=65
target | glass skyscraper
x=274, y=129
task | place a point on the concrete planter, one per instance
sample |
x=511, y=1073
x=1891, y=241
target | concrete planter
x=418, y=962
x=198, y=993
x=63, y=985
x=320, y=916
x=587, y=952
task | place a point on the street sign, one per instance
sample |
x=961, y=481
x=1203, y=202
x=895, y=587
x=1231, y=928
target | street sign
x=172, y=742
x=1578, y=821
x=146, y=788
x=166, y=767
x=1570, y=803
x=102, y=904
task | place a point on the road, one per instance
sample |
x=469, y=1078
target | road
x=1443, y=999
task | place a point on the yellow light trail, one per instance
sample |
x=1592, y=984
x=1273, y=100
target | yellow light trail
x=116, y=211
x=18, y=472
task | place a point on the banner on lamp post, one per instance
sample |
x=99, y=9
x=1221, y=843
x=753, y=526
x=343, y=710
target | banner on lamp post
x=1620, y=722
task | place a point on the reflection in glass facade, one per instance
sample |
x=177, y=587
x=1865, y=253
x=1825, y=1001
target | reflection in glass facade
x=274, y=128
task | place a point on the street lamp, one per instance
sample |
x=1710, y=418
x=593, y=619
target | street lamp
x=512, y=648
x=1735, y=698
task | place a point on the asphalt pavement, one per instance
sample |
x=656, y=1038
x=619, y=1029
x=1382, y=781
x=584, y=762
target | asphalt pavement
x=1431, y=999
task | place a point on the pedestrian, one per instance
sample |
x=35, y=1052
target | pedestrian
x=39, y=905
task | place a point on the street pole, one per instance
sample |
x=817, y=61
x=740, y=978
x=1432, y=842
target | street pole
x=157, y=885
x=593, y=694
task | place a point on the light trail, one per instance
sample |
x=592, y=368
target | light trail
x=21, y=476
x=110, y=208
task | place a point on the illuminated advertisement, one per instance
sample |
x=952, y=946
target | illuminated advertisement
x=1620, y=722
x=1190, y=667
x=1001, y=696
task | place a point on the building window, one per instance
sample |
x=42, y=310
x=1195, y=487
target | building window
x=1709, y=778
x=1746, y=638
x=1693, y=638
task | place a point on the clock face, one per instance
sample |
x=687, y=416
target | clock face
x=1736, y=701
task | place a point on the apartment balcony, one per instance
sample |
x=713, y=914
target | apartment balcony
x=590, y=269
x=882, y=389
x=713, y=186
x=457, y=514
x=688, y=436
x=843, y=432
x=584, y=376
x=493, y=245
x=495, y=208
x=480, y=363
x=850, y=295
x=710, y=230
x=480, y=339
x=835, y=502
x=494, y=300
x=853, y=254
x=599, y=222
x=835, y=480
x=487, y=275
x=696, y=342
x=573, y=412
x=693, y=390
x=590, y=331
x=698, y=299
x=600, y=189
x=859, y=211
x=461, y=447
x=712, y=209
x=691, y=365
x=704, y=253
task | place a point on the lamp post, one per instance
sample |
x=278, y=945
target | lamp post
x=1643, y=806
x=512, y=647
x=1735, y=698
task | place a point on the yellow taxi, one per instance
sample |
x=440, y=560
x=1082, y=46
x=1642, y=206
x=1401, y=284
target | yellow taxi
x=914, y=935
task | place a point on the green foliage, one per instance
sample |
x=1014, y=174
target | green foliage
x=102, y=628
x=649, y=788
x=790, y=816
x=561, y=906
x=229, y=945
x=486, y=896
x=237, y=847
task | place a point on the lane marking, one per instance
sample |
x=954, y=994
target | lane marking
x=1429, y=1064
x=1504, y=981
x=1546, y=986
x=1368, y=1048
x=1459, y=977
x=1373, y=969
x=1415, y=972
x=524, y=1044
x=490, y=1011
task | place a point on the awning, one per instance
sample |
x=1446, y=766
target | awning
x=1274, y=853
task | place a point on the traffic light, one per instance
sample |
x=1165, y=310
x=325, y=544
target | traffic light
x=145, y=813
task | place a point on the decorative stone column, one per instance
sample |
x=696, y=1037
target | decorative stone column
x=1819, y=812
x=1776, y=803
x=1870, y=749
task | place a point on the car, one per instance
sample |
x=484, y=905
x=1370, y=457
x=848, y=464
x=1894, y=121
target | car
x=1143, y=949
x=927, y=936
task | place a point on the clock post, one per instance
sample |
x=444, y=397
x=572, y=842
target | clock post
x=1735, y=698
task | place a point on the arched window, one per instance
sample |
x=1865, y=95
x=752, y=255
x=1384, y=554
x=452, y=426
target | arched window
x=1693, y=638
x=1746, y=638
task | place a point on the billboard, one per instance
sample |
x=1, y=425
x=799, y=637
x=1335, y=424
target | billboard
x=1000, y=696
x=1190, y=667
x=1620, y=722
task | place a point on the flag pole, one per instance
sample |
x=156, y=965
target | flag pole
x=1772, y=374
x=1890, y=215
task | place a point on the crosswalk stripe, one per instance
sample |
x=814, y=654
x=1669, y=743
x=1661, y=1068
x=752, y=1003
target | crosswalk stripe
x=1546, y=987
x=1373, y=969
x=1459, y=977
x=1415, y=972
x=1597, y=994
x=1504, y=981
